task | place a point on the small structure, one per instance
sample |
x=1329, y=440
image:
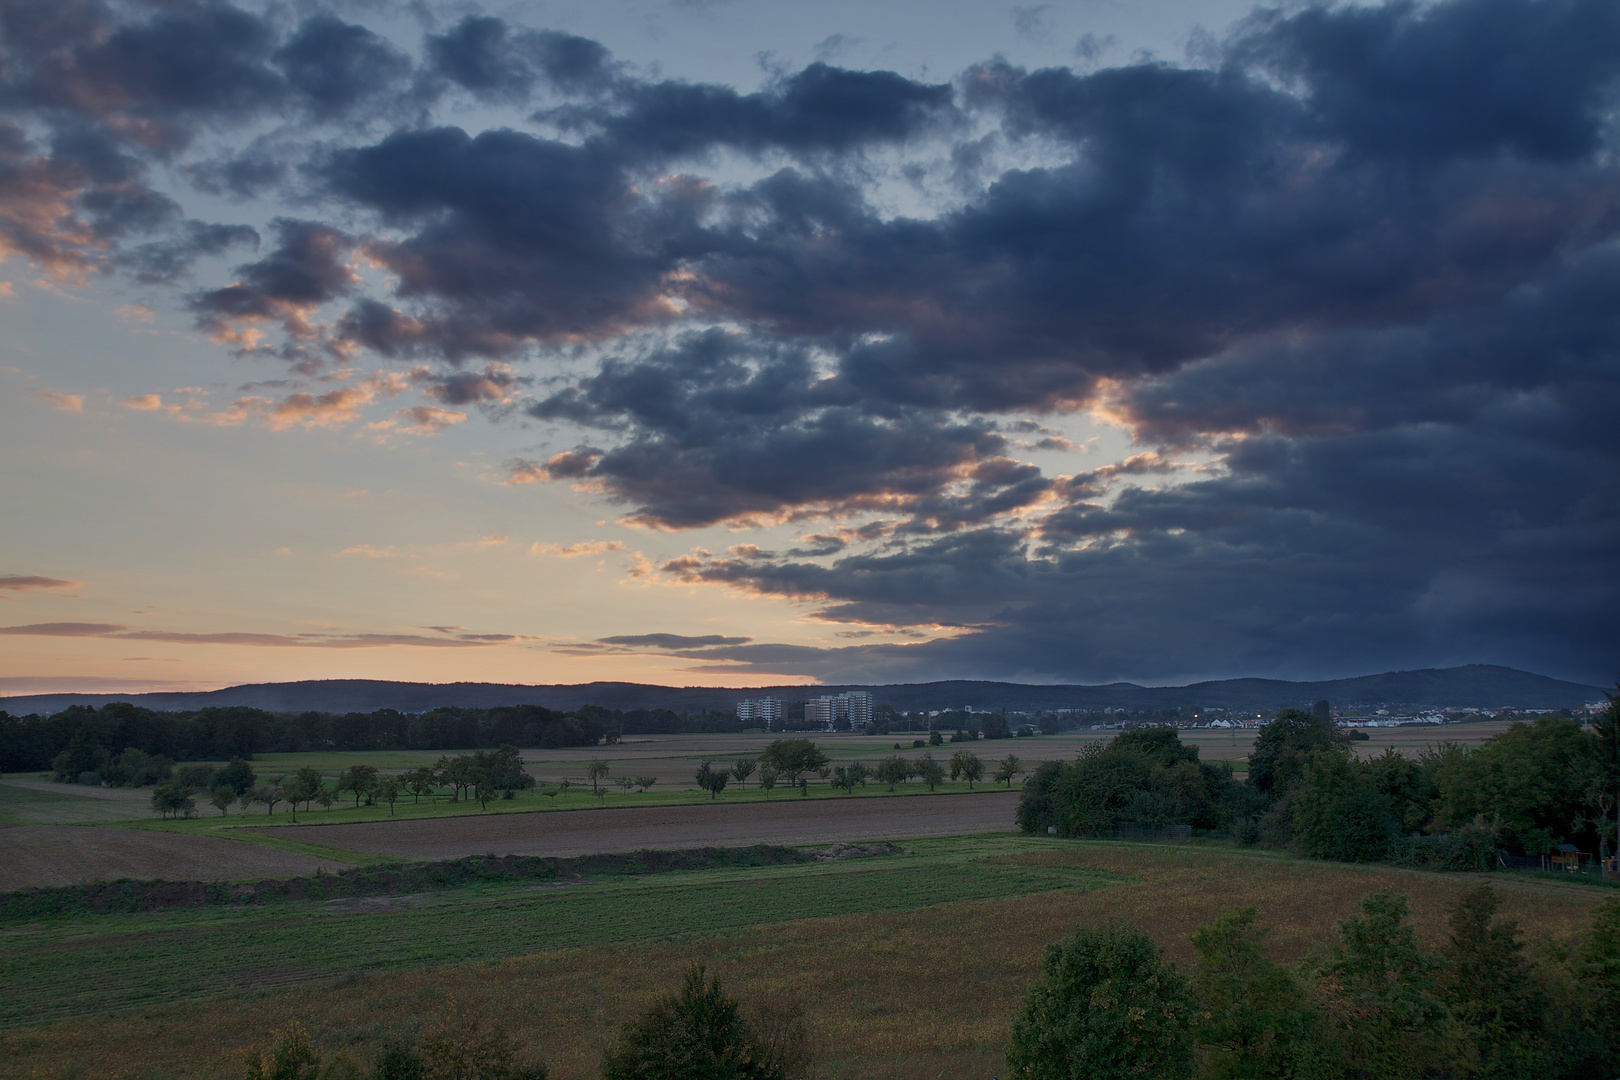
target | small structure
x=1567, y=857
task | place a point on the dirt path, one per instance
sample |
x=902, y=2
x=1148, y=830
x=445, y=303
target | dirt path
x=70, y=854
x=582, y=832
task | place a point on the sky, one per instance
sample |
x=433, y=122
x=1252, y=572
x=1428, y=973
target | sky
x=744, y=342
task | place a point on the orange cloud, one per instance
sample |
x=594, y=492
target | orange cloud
x=589, y=547
x=62, y=402
x=119, y=632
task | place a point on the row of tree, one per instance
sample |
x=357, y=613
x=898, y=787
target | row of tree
x=1373, y=1005
x=483, y=775
x=101, y=736
x=1525, y=791
x=791, y=762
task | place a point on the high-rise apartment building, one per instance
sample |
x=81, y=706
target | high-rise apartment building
x=766, y=712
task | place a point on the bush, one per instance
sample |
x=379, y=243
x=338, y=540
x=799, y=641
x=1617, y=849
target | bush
x=1472, y=847
x=699, y=1034
x=1105, y=1006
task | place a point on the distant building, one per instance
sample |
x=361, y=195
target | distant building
x=840, y=712
x=766, y=713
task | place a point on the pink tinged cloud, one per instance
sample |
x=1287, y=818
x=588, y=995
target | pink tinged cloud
x=61, y=402
x=119, y=632
x=25, y=582
x=589, y=547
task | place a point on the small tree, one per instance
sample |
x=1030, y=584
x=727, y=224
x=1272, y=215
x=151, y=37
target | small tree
x=893, y=770
x=767, y=779
x=930, y=771
x=359, y=779
x=1256, y=1021
x=305, y=786
x=1010, y=767
x=596, y=770
x=1104, y=1006
x=742, y=769
x=290, y=1057
x=169, y=798
x=421, y=781
x=711, y=779
x=266, y=795
x=847, y=776
x=387, y=789
x=222, y=797
x=1380, y=996
x=463, y=1047
x=965, y=763
x=645, y=782
x=698, y=1033
x=1492, y=989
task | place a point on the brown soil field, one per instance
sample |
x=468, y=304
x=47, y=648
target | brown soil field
x=788, y=820
x=34, y=855
x=913, y=995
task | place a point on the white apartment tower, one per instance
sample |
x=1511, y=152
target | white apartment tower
x=766, y=712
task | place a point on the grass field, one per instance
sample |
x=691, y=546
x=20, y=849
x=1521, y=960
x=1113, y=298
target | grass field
x=907, y=966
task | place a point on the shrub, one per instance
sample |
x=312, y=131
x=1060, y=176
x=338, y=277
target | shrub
x=699, y=1034
x=1472, y=847
x=1105, y=1006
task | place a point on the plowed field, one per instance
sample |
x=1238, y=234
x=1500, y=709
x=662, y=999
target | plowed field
x=788, y=820
x=33, y=855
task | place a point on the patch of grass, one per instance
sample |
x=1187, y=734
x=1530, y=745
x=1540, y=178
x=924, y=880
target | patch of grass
x=66, y=804
x=74, y=966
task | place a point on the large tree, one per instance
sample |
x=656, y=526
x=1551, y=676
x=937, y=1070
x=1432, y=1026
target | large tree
x=791, y=758
x=1281, y=750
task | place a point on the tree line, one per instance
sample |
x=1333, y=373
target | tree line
x=1371, y=1005
x=32, y=743
x=482, y=776
x=1524, y=792
x=792, y=761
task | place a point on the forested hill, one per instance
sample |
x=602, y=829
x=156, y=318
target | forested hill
x=1476, y=685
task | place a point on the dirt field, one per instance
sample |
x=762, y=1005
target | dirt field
x=32, y=855
x=785, y=821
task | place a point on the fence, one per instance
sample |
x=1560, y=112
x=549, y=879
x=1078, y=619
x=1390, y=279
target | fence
x=1130, y=830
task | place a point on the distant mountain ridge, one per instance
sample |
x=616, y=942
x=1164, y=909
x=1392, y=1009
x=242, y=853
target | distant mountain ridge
x=1470, y=686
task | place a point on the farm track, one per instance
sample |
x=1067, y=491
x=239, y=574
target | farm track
x=787, y=820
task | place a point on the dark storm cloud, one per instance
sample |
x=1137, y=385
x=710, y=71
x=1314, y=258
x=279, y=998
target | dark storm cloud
x=1358, y=268
x=165, y=261
x=518, y=239
x=673, y=641
x=335, y=64
x=306, y=270
x=819, y=109
x=724, y=426
x=497, y=62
